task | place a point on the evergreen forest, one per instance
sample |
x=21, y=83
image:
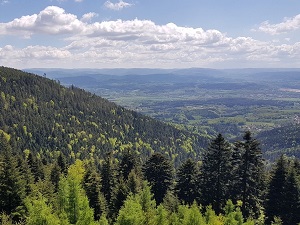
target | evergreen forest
x=70, y=157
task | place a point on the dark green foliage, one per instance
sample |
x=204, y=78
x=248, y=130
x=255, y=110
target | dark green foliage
x=159, y=173
x=108, y=178
x=276, y=197
x=61, y=162
x=12, y=190
x=120, y=194
x=55, y=176
x=216, y=173
x=92, y=187
x=292, y=200
x=35, y=166
x=283, y=199
x=252, y=180
x=187, y=185
x=128, y=162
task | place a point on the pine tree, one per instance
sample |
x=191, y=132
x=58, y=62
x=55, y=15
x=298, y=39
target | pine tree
x=187, y=185
x=159, y=173
x=120, y=194
x=276, y=197
x=36, y=167
x=216, y=174
x=252, y=182
x=92, y=187
x=128, y=162
x=61, y=162
x=12, y=190
x=292, y=210
x=108, y=175
x=55, y=176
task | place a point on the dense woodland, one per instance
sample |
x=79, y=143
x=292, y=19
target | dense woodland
x=46, y=118
x=70, y=157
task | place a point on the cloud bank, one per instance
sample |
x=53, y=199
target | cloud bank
x=289, y=24
x=133, y=43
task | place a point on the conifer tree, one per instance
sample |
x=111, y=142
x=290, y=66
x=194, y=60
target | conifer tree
x=216, y=174
x=62, y=163
x=159, y=173
x=252, y=181
x=128, y=162
x=55, y=176
x=108, y=178
x=92, y=187
x=73, y=204
x=292, y=210
x=36, y=167
x=120, y=194
x=12, y=190
x=39, y=212
x=276, y=197
x=187, y=185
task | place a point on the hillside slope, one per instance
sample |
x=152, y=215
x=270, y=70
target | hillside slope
x=42, y=116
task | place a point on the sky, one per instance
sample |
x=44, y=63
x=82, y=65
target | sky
x=150, y=33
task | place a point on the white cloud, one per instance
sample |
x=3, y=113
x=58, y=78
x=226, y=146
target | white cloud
x=117, y=6
x=289, y=24
x=132, y=43
x=52, y=20
x=88, y=16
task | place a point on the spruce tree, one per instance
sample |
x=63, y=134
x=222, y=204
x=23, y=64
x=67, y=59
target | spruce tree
x=159, y=173
x=92, y=187
x=252, y=181
x=216, y=174
x=276, y=197
x=187, y=185
x=12, y=188
x=292, y=210
x=108, y=178
x=36, y=167
x=128, y=162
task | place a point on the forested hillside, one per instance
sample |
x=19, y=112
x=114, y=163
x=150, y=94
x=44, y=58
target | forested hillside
x=44, y=117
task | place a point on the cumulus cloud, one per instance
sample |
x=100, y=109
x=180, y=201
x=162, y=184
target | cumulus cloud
x=132, y=43
x=289, y=24
x=117, y=6
x=52, y=20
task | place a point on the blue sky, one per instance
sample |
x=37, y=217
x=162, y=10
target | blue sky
x=149, y=34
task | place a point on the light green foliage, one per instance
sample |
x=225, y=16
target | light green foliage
x=72, y=200
x=277, y=221
x=190, y=215
x=40, y=213
x=211, y=217
x=131, y=213
x=161, y=216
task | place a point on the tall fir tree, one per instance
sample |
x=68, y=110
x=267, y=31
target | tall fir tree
x=128, y=162
x=292, y=210
x=12, y=187
x=276, y=197
x=251, y=183
x=187, y=185
x=216, y=174
x=92, y=187
x=159, y=173
x=108, y=178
